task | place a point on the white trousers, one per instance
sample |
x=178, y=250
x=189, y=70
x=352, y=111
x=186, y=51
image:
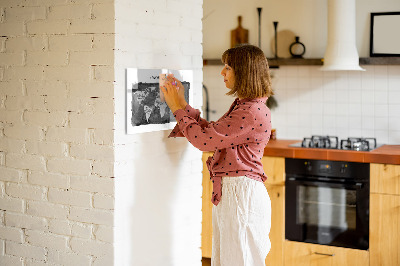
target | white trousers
x=241, y=223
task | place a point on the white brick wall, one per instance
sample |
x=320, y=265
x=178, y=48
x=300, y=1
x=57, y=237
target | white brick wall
x=56, y=132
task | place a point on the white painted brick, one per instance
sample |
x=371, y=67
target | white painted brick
x=46, y=27
x=92, y=151
x=93, y=184
x=104, y=169
x=11, y=59
x=46, y=148
x=60, y=227
x=2, y=222
x=91, y=247
x=105, y=233
x=11, y=117
x=11, y=88
x=24, y=73
x=12, y=145
x=25, y=103
x=68, y=258
x=25, y=191
x=24, y=132
x=2, y=44
x=103, y=11
x=46, y=88
x=98, y=120
x=91, y=26
x=24, y=13
x=25, y=161
x=81, y=73
x=25, y=221
x=46, y=240
x=103, y=41
x=25, y=250
x=12, y=204
x=69, y=197
x=46, y=209
x=32, y=262
x=46, y=2
x=91, y=89
x=2, y=158
x=11, y=233
x=56, y=103
x=7, y=260
x=105, y=260
x=48, y=179
x=21, y=43
x=95, y=216
x=70, y=12
x=104, y=73
x=96, y=105
x=82, y=230
x=90, y=58
x=71, y=42
x=12, y=28
x=74, y=135
x=46, y=118
x=103, y=202
x=47, y=58
x=70, y=166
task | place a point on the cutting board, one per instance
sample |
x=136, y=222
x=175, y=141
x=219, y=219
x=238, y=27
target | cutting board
x=239, y=35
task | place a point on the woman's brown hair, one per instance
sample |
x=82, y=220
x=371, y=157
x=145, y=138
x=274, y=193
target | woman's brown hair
x=250, y=66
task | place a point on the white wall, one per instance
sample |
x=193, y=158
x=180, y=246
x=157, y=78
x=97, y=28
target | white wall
x=56, y=132
x=344, y=103
x=158, y=180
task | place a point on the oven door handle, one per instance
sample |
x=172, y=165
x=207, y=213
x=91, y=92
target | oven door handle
x=357, y=185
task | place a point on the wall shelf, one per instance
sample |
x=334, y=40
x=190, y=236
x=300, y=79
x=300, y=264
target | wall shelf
x=274, y=63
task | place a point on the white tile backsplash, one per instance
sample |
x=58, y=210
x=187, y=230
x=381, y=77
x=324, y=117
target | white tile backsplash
x=343, y=103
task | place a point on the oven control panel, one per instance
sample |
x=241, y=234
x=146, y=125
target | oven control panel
x=338, y=169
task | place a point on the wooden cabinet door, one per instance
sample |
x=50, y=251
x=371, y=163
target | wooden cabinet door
x=384, y=236
x=304, y=254
x=206, y=226
x=385, y=178
x=274, y=168
x=277, y=233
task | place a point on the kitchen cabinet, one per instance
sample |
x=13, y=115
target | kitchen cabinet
x=274, y=168
x=305, y=254
x=206, y=225
x=385, y=214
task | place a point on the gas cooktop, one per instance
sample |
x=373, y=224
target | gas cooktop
x=332, y=142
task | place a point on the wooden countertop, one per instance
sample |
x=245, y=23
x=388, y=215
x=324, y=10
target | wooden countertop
x=389, y=154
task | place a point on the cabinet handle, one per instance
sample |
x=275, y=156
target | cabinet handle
x=324, y=254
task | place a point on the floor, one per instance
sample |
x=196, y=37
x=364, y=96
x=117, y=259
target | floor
x=206, y=261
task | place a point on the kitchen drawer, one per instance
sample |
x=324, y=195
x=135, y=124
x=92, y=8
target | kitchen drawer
x=305, y=254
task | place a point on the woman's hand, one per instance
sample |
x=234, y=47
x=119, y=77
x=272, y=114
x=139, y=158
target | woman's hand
x=172, y=94
x=181, y=90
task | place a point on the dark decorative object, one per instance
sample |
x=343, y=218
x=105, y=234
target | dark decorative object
x=276, y=38
x=384, y=41
x=272, y=103
x=259, y=9
x=297, y=49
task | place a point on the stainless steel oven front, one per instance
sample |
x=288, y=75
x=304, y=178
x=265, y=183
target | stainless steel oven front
x=327, y=202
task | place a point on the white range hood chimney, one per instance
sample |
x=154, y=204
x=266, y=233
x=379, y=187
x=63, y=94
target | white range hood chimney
x=341, y=51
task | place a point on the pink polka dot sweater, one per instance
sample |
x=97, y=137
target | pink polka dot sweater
x=238, y=139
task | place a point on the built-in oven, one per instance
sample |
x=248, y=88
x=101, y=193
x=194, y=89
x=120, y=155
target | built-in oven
x=327, y=202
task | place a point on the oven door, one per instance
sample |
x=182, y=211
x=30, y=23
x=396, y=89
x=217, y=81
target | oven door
x=327, y=213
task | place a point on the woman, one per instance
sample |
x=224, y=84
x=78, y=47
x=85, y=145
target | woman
x=242, y=208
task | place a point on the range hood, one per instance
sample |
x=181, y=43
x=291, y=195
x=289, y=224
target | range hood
x=341, y=51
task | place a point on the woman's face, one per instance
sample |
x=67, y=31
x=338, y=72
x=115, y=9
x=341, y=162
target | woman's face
x=229, y=76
